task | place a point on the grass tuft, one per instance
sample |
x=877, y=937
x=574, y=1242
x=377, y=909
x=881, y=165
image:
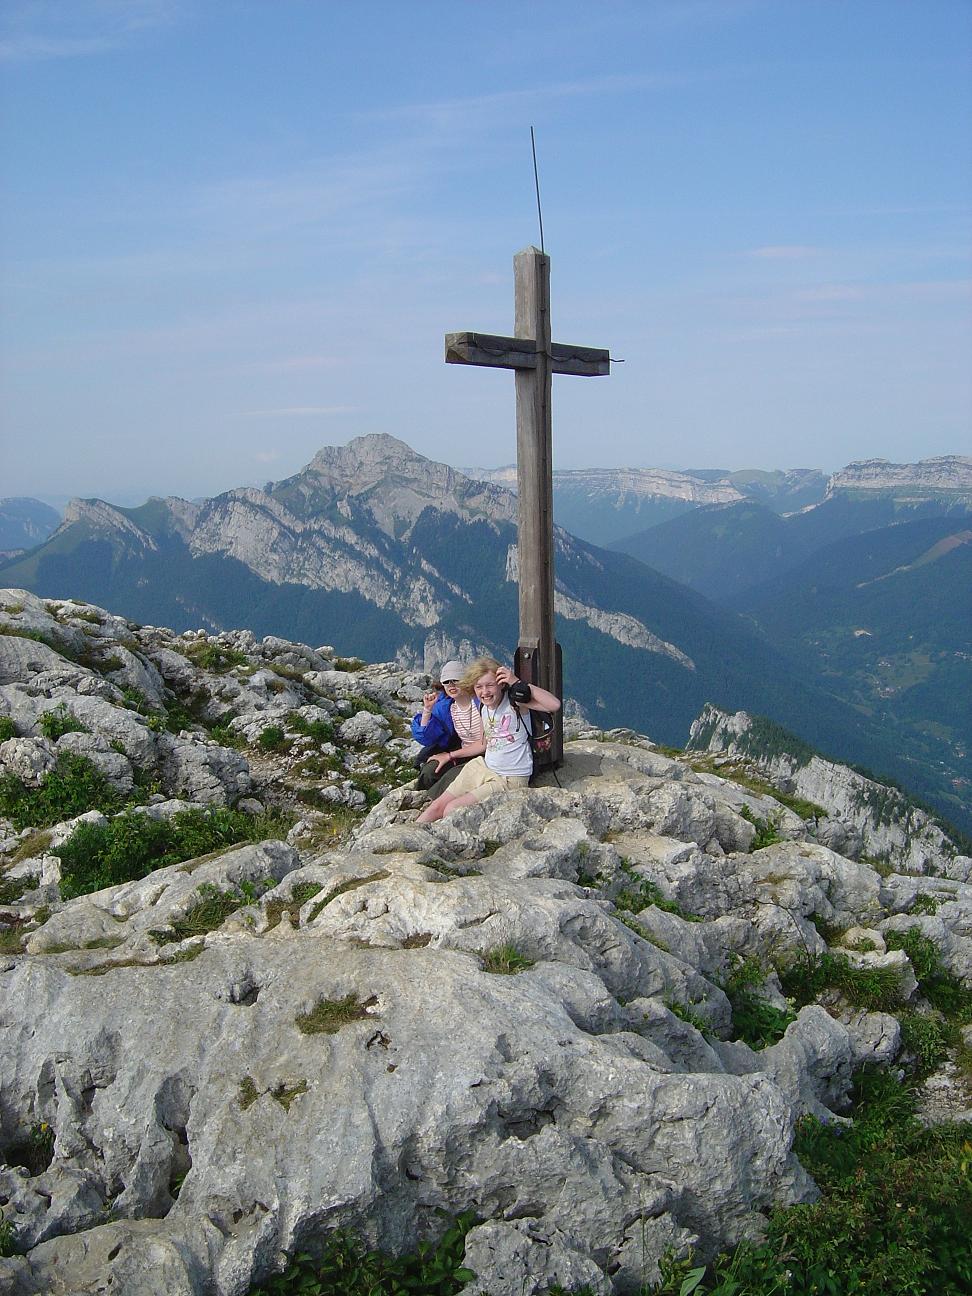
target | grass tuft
x=506, y=960
x=329, y=1015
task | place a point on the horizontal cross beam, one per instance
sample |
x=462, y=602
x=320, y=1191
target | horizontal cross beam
x=521, y=353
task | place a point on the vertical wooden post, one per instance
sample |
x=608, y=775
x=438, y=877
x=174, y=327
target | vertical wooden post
x=534, y=460
x=537, y=658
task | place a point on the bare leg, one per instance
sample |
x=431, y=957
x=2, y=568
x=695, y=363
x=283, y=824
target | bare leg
x=457, y=802
x=435, y=809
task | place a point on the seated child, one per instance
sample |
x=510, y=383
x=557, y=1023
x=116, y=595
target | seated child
x=502, y=759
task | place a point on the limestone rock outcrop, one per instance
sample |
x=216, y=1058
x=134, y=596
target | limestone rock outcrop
x=525, y=1010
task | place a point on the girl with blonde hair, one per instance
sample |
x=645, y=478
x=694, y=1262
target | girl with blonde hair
x=504, y=757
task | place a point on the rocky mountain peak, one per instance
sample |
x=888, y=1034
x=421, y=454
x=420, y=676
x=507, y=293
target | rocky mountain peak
x=377, y=451
x=392, y=483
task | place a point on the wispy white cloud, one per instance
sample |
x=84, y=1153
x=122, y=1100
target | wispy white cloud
x=456, y=111
x=35, y=30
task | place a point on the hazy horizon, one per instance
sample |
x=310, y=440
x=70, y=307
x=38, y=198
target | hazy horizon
x=235, y=232
x=132, y=498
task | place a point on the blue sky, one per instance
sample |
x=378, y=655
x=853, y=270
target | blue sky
x=234, y=231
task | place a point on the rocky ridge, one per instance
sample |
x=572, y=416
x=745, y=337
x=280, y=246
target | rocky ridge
x=338, y=1044
x=949, y=475
x=860, y=817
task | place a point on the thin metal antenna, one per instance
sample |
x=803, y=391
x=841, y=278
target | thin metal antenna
x=536, y=181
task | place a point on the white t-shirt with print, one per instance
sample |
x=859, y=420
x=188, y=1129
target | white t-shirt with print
x=507, y=736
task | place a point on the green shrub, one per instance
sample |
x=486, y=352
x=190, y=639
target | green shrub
x=55, y=724
x=321, y=731
x=7, y=728
x=344, y=1267
x=272, y=738
x=755, y=1021
x=132, y=844
x=72, y=788
x=877, y=989
x=942, y=990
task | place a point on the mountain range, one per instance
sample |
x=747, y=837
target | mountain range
x=724, y=548
x=25, y=522
x=390, y=555
x=607, y=504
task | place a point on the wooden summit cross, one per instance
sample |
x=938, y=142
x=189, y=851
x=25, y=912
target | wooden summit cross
x=533, y=357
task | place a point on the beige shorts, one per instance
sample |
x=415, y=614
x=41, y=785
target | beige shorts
x=476, y=779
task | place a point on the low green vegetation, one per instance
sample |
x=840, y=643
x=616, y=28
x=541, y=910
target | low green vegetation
x=506, y=960
x=944, y=992
x=248, y=1094
x=893, y=1218
x=7, y=728
x=133, y=844
x=349, y=664
x=329, y=1015
x=34, y=844
x=12, y=889
x=926, y=903
x=299, y=896
x=350, y=884
x=226, y=736
x=72, y=788
x=755, y=1020
x=211, y=909
x=878, y=989
x=321, y=731
x=55, y=724
x=343, y=1266
x=6, y=1237
x=358, y=703
x=767, y=831
x=33, y=1151
x=642, y=892
x=272, y=739
x=737, y=772
x=686, y=1013
x=211, y=656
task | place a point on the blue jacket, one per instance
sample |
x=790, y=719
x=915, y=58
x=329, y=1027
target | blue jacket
x=440, y=731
